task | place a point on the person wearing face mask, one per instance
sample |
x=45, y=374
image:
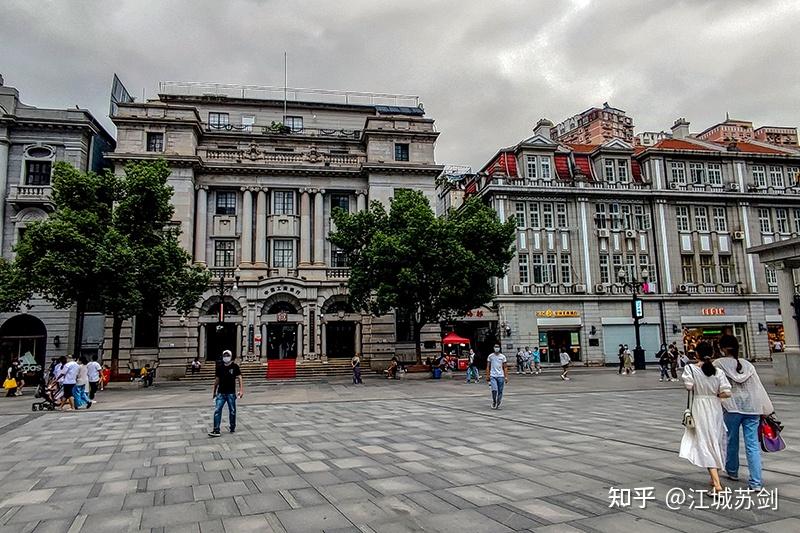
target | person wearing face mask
x=227, y=376
x=497, y=375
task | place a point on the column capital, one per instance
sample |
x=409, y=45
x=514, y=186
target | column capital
x=199, y=187
x=361, y=192
x=320, y=191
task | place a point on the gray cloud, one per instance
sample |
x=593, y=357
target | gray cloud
x=486, y=71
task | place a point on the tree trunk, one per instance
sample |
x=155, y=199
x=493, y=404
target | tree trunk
x=417, y=343
x=116, y=331
x=80, y=311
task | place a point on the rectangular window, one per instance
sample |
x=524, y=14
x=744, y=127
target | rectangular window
x=544, y=163
x=682, y=217
x=609, y=169
x=294, y=123
x=283, y=253
x=155, y=141
x=622, y=170
x=792, y=177
x=247, y=122
x=616, y=219
x=796, y=213
x=604, y=275
x=226, y=203
x=687, y=268
x=342, y=201
x=720, y=219
x=782, y=220
x=759, y=176
x=534, y=214
x=547, y=215
x=725, y=269
x=701, y=219
x=538, y=268
x=401, y=152
x=283, y=203
x=616, y=263
x=644, y=264
x=522, y=260
x=764, y=221
x=678, y=172
x=566, y=269
x=715, y=174
x=550, y=274
x=630, y=267
x=520, y=214
x=404, y=330
x=707, y=269
x=338, y=257
x=145, y=330
x=561, y=216
x=530, y=165
x=627, y=216
x=217, y=121
x=776, y=177
x=697, y=173
x=37, y=173
x=772, y=276
x=641, y=218
x=600, y=218
x=224, y=253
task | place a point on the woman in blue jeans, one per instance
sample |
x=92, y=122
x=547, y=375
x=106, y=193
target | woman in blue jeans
x=748, y=401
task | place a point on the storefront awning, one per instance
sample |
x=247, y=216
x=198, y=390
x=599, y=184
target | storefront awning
x=453, y=338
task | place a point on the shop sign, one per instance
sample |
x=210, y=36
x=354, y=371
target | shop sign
x=713, y=311
x=637, y=308
x=478, y=313
x=558, y=313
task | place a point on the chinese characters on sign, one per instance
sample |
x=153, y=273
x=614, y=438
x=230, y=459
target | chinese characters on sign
x=558, y=313
x=477, y=313
x=678, y=498
x=713, y=311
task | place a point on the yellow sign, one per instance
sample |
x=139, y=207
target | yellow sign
x=558, y=313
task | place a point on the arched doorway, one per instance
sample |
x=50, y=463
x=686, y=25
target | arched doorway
x=24, y=337
x=342, y=328
x=219, y=328
x=282, y=335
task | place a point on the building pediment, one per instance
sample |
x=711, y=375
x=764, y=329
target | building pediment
x=538, y=141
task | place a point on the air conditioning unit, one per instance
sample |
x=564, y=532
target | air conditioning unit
x=733, y=186
x=602, y=232
x=683, y=288
x=580, y=288
x=673, y=185
x=516, y=289
x=630, y=234
x=600, y=288
x=738, y=235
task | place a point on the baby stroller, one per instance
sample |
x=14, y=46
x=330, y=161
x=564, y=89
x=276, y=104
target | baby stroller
x=47, y=394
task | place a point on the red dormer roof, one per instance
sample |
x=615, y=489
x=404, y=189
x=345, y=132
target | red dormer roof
x=504, y=163
x=584, y=165
x=583, y=148
x=636, y=170
x=750, y=148
x=562, y=166
x=680, y=144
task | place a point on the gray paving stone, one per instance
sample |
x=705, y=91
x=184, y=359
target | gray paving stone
x=396, y=485
x=170, y=515
x=113, y=521
x=261, y=503
x=317, y=518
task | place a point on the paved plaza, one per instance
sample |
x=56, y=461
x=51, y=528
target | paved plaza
x=386, y=457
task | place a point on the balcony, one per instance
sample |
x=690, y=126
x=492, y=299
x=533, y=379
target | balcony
x=280, y=129
x=255, y=154
x=763, y=189
x=710, y=288
x=222, y=273
x=22, y=195
x=337, y=273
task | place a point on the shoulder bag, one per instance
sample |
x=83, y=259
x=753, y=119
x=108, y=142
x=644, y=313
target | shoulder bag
x=688, y=417
x=769, y=434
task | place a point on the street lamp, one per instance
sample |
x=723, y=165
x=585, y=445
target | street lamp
x=223, y=287
x=637, y=311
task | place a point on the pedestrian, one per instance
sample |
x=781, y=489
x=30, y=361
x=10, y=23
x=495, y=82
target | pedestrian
x=11, y=382
x=497, y=375
x=748, y=402
x=81, y=383
x=565, y=361
x=68, y=377
x=537, y=360
x=527, y=360
x=627, y=361
x=472, y=370
x=226, y=376
x=777, y=346
x=94, y=371
x=196, y=364
x=664, y=357
x=621, y=355
x=355, y=362
x=673, y=365
x=520, y=360
x=704, y=444
x=106, y=377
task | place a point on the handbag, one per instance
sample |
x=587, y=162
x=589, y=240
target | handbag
x=10, y=383
x=769, y=434
x=688, y=417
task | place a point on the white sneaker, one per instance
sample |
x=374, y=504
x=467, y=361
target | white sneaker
x=567, y=379
x=633, y=371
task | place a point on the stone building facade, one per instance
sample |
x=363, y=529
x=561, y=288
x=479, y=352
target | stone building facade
x=255, y=180
x=684, y=210
x=32, y=139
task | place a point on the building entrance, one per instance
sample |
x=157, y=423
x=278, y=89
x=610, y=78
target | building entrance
x=340, y=339
x=220, y=337
x=281, y=341
x=24, y=337
x=551, y=341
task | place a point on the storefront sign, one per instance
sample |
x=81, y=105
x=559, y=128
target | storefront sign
x=477, y=313
x=637, y=308
x=713, y=311
x=558, y=313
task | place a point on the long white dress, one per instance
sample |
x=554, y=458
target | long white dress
x=706, y=444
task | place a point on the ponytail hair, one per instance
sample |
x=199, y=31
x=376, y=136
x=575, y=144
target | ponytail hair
x=704, y=351
x=730, y=345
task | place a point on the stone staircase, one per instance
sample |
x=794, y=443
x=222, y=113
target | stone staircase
x=251, y=371
x=304, y=371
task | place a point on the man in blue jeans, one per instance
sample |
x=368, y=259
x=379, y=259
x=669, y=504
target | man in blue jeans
x=497, y=375
x=226, y=377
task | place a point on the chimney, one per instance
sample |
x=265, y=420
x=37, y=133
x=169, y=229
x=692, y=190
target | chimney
x=680, y=130
x=543, y=128
x=1, y=80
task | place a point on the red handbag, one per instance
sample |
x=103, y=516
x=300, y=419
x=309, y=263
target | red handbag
x=769, y=434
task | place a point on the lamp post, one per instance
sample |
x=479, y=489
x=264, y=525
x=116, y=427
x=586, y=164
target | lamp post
x=637, y=311
x=223, y=287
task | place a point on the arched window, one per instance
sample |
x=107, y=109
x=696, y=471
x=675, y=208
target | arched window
x=281, y=307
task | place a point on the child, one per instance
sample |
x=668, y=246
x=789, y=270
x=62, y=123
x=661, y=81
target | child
x=664, y=360
x=537, y=361
x=565, y=361
x=520, y=361
x=105, y=377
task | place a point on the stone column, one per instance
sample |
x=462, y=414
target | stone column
x=261, y=228
x=361, y=200
x=300, y=341
x=201, y=342
x=305, y=227
x=247, y=226
x=263, y=349
x=319, y=241
x=323, y=330
x=3, y=186
x=358, y=339
x=200, y=225
x=238, y=351
x=786, y=364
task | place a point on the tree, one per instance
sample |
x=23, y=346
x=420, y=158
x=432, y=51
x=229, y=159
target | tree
x=13, y=290
x=425, y=268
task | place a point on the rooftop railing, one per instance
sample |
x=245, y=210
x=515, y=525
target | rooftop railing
x=280, y=129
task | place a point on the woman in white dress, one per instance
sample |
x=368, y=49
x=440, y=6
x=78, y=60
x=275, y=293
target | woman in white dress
x=705, y=444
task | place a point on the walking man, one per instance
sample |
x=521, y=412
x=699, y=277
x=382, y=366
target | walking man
x=565, y=361
x=496, y=375
x=93, y=370
x=69, y=375
x=537, y=360
x=227, y=376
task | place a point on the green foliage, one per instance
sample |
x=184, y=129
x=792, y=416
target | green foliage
x=13, y=290
x=424, y=267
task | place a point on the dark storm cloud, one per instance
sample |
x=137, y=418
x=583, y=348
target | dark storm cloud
x=486, y=71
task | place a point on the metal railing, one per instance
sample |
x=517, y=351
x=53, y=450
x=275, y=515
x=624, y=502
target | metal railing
x=222, y=272
x=280, y=129
x=337, y=273
x=257, y=155
x=294, y=94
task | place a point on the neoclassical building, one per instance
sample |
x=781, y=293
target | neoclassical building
x=255, y=179
x=32, y=140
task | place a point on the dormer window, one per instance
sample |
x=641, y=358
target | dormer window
x=538, y=167
x=616, y=170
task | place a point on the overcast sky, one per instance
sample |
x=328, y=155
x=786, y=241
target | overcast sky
x=485, y=70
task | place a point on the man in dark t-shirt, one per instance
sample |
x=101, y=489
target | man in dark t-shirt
x=226, y=377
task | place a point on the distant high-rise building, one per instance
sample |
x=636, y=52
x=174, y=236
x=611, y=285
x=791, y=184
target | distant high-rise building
x=742, y=130
x=595, y=126
x=650, y=138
